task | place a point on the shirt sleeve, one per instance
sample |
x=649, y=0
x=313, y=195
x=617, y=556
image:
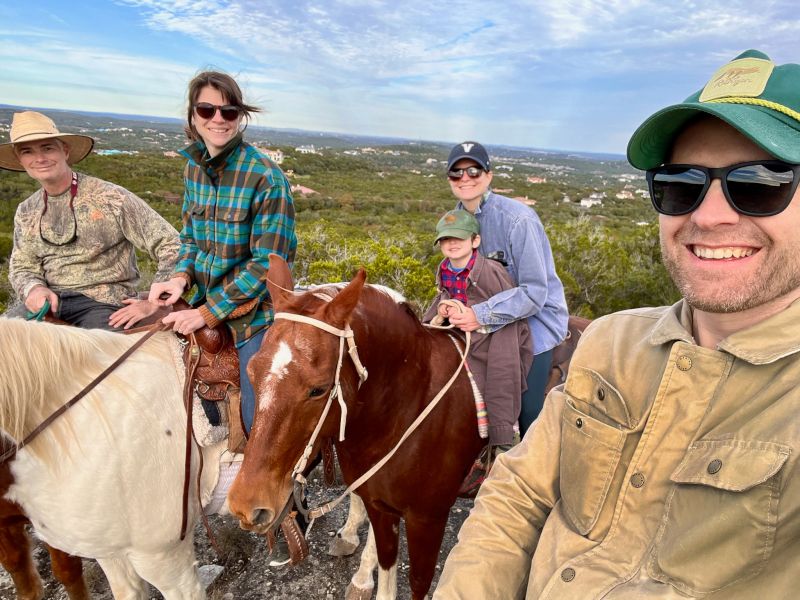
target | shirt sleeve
x=528, y=298
x=25, y=269
x=492, y=558
x=272, y=232
x=151, y=233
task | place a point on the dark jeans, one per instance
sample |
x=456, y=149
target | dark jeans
x=246, y=352
x=533, y=398
x=76, y=309
x=82, y=311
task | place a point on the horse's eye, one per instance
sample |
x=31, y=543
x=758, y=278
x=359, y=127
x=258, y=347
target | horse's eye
x=316, y=392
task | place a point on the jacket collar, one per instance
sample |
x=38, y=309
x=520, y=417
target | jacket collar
x=763, y=343
x=199, y=153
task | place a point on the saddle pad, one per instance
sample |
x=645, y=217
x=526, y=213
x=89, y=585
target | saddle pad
x=206, y=432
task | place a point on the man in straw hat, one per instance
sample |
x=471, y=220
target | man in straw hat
x=75, y=238
x=667, y=464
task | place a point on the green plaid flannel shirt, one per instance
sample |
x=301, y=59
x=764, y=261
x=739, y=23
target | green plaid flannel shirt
x=237, y=210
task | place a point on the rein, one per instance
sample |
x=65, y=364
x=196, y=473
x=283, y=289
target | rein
x=11, y=452
x=297, y=473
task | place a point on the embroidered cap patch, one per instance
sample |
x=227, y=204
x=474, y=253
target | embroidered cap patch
x=744, y=77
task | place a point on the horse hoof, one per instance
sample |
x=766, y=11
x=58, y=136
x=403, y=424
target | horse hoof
x=354, y=593
x=341, y=547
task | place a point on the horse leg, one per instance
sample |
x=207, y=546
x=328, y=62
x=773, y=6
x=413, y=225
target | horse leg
x=68, y=570
x=172, y=572
x=362, y=583
x=346, y=541
x=387, y=543
x=424, y=536
x=15, y=556
x=125, y=584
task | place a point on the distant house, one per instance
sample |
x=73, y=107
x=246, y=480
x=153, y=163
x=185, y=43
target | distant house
x=275, y=156
x=303, y=190
x=625, y=195
x=171, y=154
x=525, y=200
x=503, y=175
x=536, y=179
x=503, y=190
x=306, y=149
x=590, y=202
x=431, y=161
x=506, y=167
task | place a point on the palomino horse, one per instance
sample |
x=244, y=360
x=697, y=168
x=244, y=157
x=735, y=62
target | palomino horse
x=105, y=479
x=293, y=373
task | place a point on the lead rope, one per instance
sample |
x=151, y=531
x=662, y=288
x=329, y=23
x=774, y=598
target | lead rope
x=300, y=481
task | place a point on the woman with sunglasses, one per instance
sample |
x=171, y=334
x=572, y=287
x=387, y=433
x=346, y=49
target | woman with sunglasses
x=237, y=210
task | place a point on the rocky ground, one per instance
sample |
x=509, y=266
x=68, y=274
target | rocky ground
x=243, y=559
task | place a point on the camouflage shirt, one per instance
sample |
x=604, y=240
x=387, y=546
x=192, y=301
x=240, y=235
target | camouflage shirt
x=110, y=223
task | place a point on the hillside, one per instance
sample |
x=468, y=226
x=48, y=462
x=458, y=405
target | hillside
x=375, y=203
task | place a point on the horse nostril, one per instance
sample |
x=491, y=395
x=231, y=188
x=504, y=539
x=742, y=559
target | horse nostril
x=262, y=516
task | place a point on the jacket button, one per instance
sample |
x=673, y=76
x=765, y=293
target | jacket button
x=578, y=422
x=684, y=362
x=568, y=574
x=714, y=466
x=601, y=394
x=637, y=480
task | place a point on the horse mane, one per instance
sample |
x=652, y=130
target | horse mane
x=382, y=299
x=38, y=361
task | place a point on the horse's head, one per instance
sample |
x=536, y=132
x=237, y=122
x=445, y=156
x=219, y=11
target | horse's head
x=293, y=374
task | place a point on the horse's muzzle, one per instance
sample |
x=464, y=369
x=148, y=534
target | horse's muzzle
x=258, y=521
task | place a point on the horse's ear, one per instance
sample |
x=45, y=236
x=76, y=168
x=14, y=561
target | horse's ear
x=279, y=280
x=339, y=309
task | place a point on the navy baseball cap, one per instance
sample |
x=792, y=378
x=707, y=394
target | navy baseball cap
x=473, y=151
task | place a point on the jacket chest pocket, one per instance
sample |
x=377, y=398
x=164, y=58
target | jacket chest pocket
x=590, y=454
x=719, y=522
x=234, y=227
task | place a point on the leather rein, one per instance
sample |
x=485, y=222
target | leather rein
x=299, y=481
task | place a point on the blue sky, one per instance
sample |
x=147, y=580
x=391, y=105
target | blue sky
x=561, y=74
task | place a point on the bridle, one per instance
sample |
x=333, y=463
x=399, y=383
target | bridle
x=298, y=479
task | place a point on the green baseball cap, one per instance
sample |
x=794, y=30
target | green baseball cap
x=459, y=224
x=750, y=93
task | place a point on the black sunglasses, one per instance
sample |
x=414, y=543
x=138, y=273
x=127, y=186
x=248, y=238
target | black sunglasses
x=206, y=110
x=759, y=188
x=472, y=172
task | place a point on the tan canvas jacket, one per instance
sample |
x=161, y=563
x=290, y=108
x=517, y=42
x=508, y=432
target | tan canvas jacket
x=661, y=470
x=101, y=263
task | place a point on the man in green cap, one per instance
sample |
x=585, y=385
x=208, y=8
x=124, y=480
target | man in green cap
x=666, y=466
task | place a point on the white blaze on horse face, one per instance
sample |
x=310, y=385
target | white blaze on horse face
x=281, y=361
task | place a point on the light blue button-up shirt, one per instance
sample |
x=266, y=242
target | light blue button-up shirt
x=514, y=229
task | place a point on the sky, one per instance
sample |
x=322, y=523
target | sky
x=575, y=75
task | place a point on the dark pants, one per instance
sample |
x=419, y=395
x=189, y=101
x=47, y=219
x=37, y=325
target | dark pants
x=76, y=309
x=246, y=352
x=533, y=398
x=84, y=312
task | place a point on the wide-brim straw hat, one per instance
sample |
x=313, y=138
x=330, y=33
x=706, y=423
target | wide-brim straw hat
x=29, y=126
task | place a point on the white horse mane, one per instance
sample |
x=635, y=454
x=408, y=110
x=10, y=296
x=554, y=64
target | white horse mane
x=39, y=361
x=393, y=294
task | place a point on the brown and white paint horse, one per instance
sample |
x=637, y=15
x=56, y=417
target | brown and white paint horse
x=105, y=479
x=15, y=550
x=293, y=374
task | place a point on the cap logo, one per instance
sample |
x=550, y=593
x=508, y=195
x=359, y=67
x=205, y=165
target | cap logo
x=467, y=147
x=449, y=219
x=744, y=77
